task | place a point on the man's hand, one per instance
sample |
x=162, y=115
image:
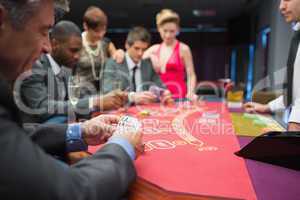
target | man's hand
x=134, y=138
x=97, y=130
x=113, y=100
x=293, y=126
x=166, y=97
x=141, y=98
x=119, y=56
x=252, y=107
x=192, y=96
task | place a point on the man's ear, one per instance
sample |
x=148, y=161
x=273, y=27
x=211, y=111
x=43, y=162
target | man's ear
x=85, y=28
x=126, y=45
x=54, y=44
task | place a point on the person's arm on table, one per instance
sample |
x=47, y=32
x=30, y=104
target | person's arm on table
x=141, y=98
x=105, y=175
x=273, y=106
x=110, y=101
x=93, y=132
x=61, y=139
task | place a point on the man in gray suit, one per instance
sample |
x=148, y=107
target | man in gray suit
x=134, y=74
x=27, y=171
x=45, y=93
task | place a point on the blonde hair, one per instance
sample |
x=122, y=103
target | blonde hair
x=167, y=15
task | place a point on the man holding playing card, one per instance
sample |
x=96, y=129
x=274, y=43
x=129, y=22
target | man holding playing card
x=28, y=170
x=135, y=74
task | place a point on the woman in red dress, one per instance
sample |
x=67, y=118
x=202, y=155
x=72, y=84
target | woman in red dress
x=172, y=59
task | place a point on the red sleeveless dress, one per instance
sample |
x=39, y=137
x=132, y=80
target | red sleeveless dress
x=174, y=77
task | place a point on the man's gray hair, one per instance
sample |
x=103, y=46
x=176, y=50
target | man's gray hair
x=20, y=11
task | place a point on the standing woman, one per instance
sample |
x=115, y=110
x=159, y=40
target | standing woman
x=96, y=50
x=173, y=59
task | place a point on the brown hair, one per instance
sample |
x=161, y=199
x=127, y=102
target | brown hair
x=166, y=16
x=94, y=17
x=138, y=34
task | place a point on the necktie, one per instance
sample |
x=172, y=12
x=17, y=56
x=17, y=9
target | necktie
x=290, y=67
x=62, y=84
x=133, y=78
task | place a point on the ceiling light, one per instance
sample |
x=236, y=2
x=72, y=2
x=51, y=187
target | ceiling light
x=204, y=13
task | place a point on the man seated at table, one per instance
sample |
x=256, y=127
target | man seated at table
x=134, y=74
x=46, y=89
x=27, y=171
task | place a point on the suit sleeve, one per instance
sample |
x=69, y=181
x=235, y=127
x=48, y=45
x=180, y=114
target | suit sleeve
x=51, y=138
x=108, y=76
x=27, y=172
x=38, y=94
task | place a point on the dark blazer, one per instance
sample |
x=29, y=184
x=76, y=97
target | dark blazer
x=41, y=92
x=119, y=72
x=27, y=172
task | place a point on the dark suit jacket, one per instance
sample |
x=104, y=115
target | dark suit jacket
x=27, y=172
x=40, y=92
x=119, y=72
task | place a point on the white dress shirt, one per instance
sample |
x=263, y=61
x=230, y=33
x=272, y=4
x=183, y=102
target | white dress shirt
x=54, y=66
x=56, y=70
x=138, y=75
x=278, y=104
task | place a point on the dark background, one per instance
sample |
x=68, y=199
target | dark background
x=212, y=28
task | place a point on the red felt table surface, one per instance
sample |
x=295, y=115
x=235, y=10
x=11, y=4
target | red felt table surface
x=189, y=152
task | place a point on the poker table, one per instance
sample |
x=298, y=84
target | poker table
x=189, y=154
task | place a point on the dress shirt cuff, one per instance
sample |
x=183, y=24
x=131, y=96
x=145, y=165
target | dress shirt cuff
x=91, y=103
x=295, y=115
x=74, y=139
x=277, y=104
x=130, y=98
x=295, y=112
x=124, y=144
x=92, y=107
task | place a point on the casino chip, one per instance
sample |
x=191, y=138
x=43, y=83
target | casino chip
x=250, y=116
x=144, y=113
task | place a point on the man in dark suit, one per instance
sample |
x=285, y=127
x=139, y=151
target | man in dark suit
x=45, y=93
x=26, y=170
x=134, y=74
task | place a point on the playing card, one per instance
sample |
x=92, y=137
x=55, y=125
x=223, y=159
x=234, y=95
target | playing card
x=129, y=124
